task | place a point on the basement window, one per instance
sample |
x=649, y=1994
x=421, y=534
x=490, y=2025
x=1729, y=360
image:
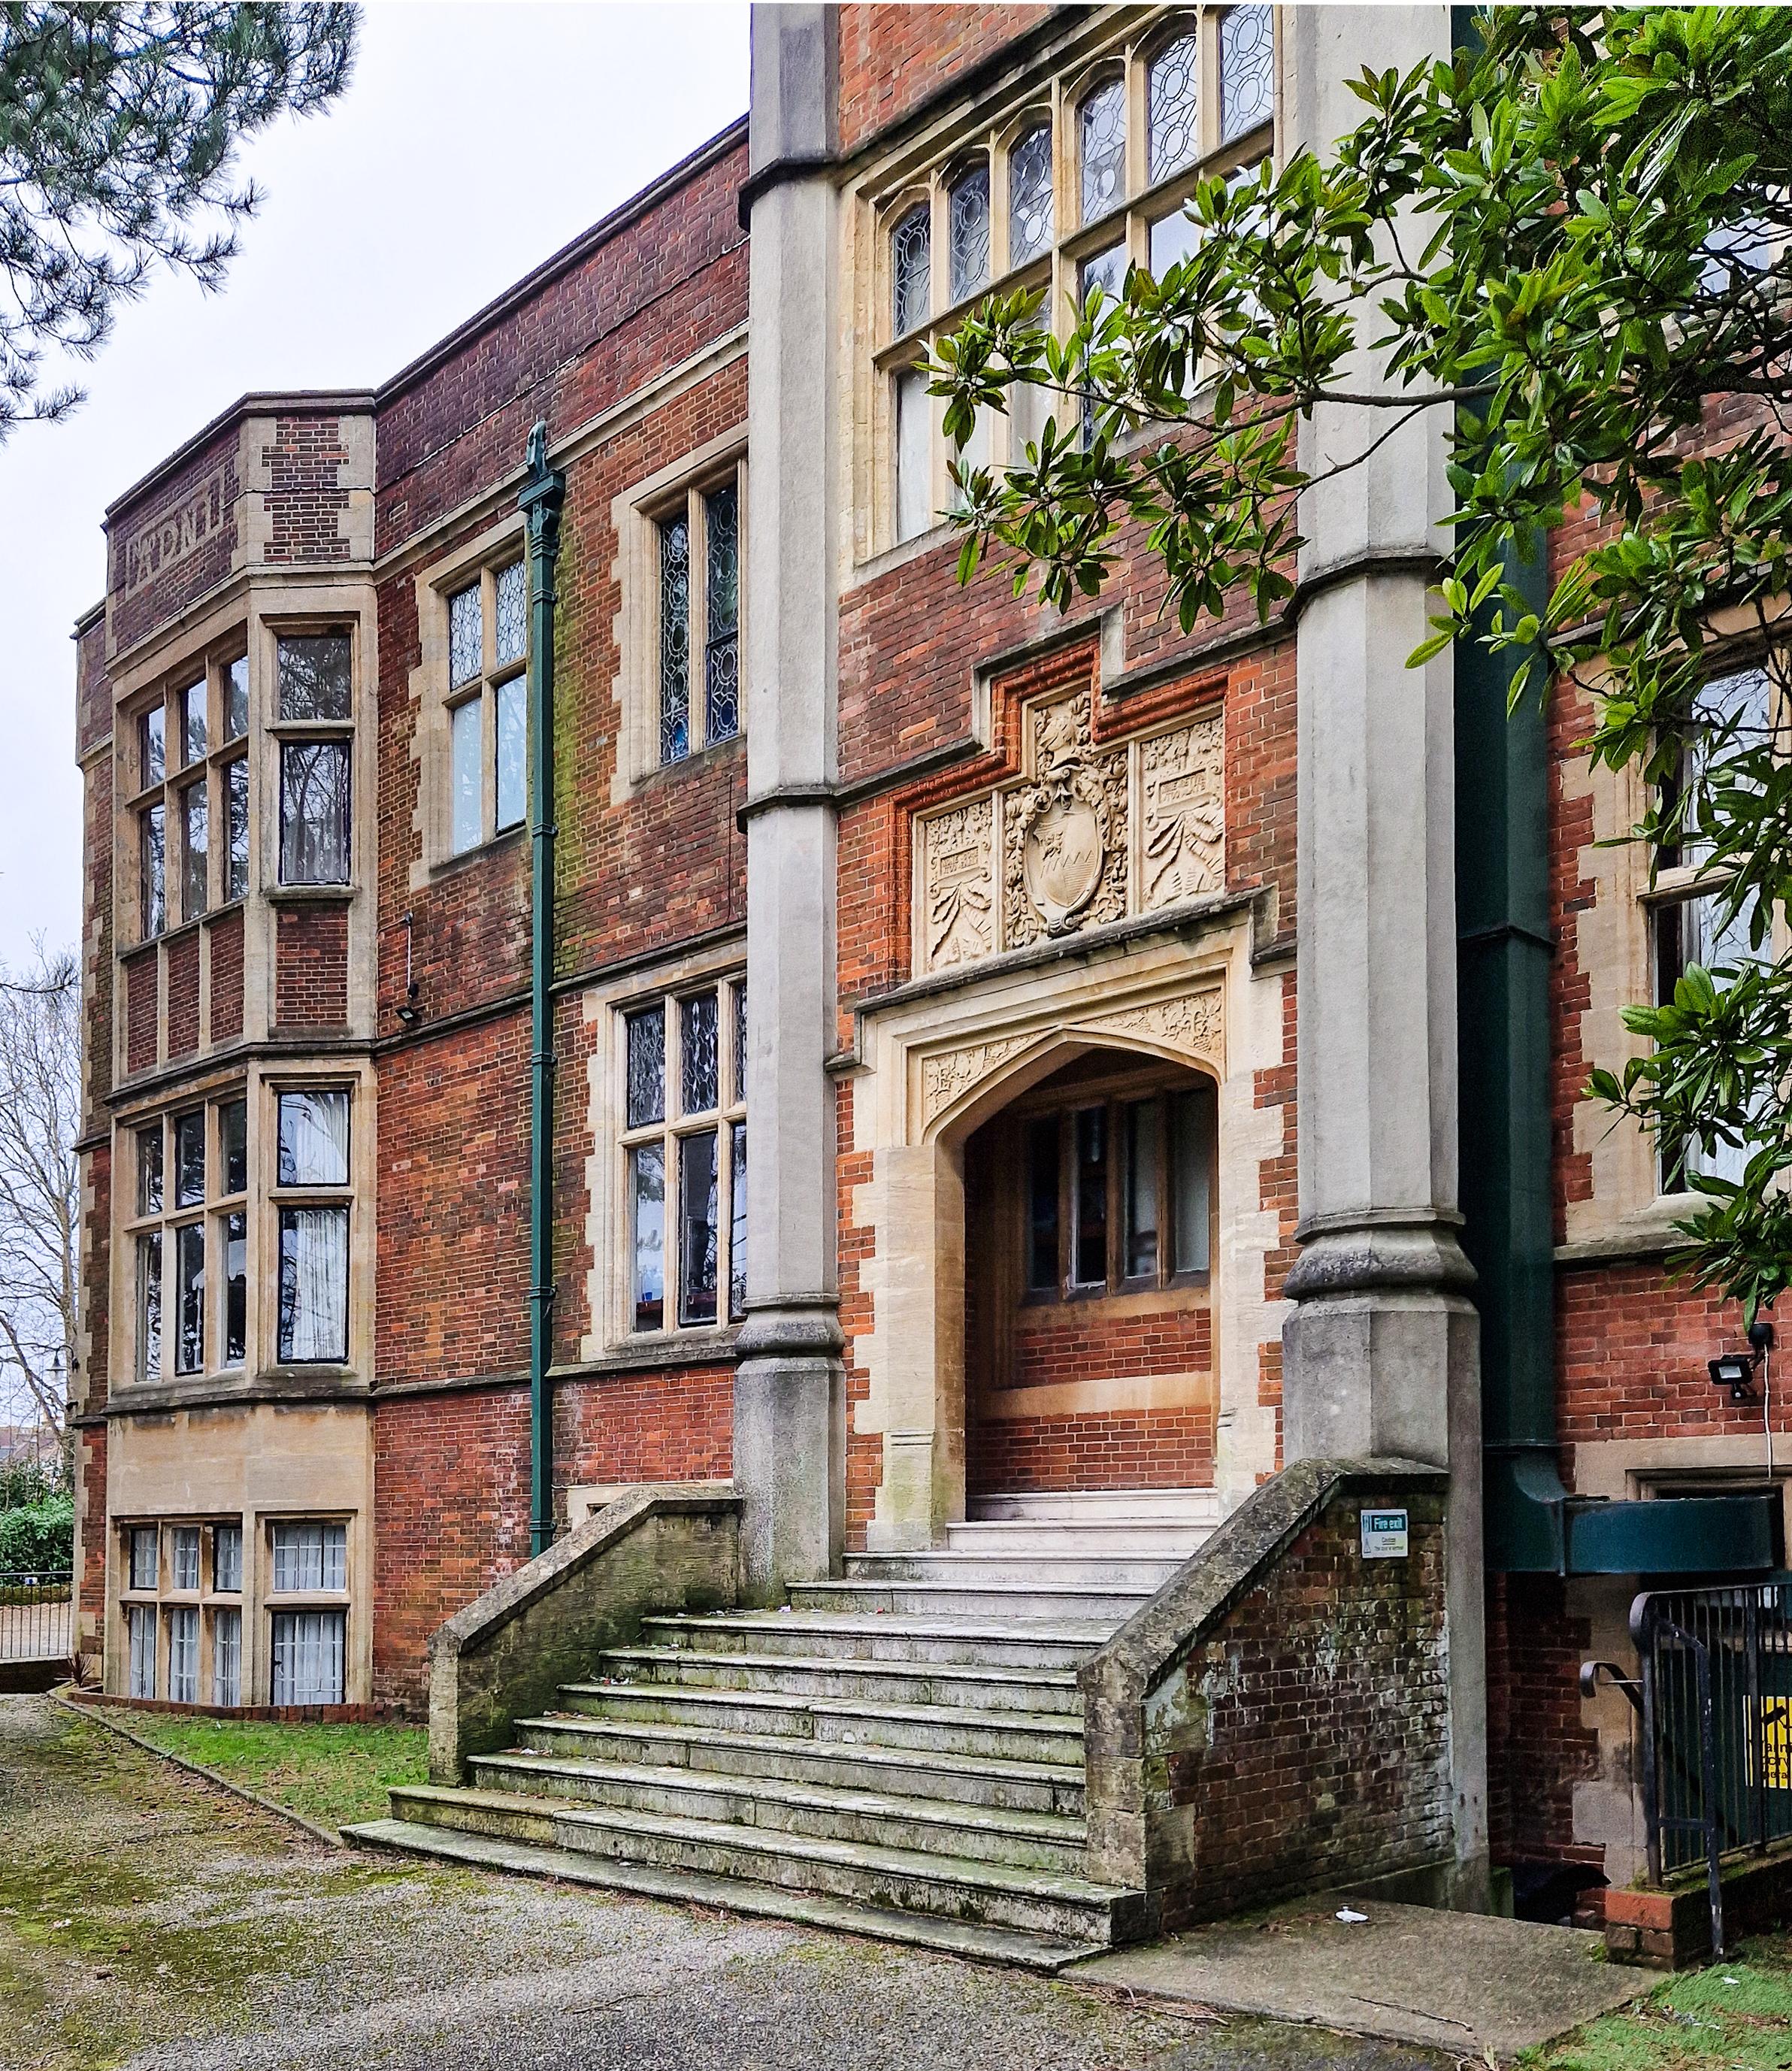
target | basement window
x=308, y=1611
x=181, y=1610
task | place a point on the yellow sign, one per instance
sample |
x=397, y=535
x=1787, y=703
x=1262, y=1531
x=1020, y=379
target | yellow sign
x=1776, y=1742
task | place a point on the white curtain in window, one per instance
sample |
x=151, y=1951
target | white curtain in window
x=314, y=1285
x=183, y=1655
x=309, y=1556
x=140, y=1627
x=226, y=1657
x=308, y=1649
x=314, y=1138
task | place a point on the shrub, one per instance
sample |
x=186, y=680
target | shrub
x=40, y=1535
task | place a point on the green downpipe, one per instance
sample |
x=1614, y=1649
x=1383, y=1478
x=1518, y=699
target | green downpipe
x=542, y=495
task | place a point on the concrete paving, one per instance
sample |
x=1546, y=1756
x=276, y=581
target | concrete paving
x=151, y=1922
x=1454, y=1981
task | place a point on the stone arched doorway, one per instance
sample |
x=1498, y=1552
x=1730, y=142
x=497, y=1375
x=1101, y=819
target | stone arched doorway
x=1090, y=1243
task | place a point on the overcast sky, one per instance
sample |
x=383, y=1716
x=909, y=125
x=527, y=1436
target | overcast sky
x=473, y=141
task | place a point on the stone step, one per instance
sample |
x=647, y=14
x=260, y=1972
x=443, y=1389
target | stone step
x=958, y=1684
x=1019, y=1569
x=1039, y=1901
x=882, y=1638
x=993, y=1781
x=1199, y=1506
x=1035, y=1840
x=946, y=1728
x=1099, y=1538
x=1049, y=1604
x=956, y=1938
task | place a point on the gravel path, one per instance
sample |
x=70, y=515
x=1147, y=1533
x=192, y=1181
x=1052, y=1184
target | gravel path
x=151, y=1923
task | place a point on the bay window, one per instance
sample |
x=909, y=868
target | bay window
x=313, y=1210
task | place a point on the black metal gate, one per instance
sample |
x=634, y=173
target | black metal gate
x=1715, y=1698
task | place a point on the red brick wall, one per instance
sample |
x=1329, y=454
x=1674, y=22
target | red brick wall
x=142, y=978
x=453, y=1289
x=1537, y=1748
x=1632, y=1354
x=451, y=1515
x=894, y=59
x=224, y=938
x=677, y=1425
x=183, y=995
x=1305, y=1740
x=311, y=967
x=1102, y=1450
x=309, y=499
x=1061, y=1341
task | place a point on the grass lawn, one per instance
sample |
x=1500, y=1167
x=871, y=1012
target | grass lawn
x=331, y=1774
x=1737, y=2014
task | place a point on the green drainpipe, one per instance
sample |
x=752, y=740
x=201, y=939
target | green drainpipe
x=543, y=494
x=1533, y=1525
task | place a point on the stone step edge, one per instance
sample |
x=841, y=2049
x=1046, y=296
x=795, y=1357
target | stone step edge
x=964, y=1586
x=1012, y=1946
x=1091, y=1632
x=997, y=1677
x=1063, y=1827
x=837, y=1707
x=1001, y=1769
x=1012, y=1880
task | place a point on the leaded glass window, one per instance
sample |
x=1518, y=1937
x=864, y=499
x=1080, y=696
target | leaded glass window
x=911, y=268
x=674, y=639
x=513, y=614
x=1247, y=69
x=914, y=454
x=1173, y=124
x=699, y=621
x=466, y=636
x=701, y=1059
x=722, y=612
x=488, y=646
x=968, y=232
x=684, y=1147
x=1029, y=214
x=1102, y=138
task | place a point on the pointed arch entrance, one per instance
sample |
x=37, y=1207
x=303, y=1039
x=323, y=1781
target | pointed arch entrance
x=944, y=1084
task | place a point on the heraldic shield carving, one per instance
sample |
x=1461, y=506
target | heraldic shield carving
x=1056, y=852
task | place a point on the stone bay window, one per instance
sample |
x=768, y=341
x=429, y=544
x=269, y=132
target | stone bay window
x=209, y=1194
x=186, y=775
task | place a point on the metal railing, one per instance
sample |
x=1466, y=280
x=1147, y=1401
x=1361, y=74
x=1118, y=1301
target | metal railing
x=1714, y=1694
x=36, y=1614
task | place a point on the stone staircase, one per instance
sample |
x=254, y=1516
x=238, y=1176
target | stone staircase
x=897, y=1753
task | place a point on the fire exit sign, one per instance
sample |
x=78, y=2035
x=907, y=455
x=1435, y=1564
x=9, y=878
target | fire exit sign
x=1383, y=1534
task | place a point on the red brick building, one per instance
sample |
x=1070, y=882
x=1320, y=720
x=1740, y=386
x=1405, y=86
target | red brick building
x=1082, y=997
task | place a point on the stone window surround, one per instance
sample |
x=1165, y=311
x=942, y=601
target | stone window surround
x=931, y=1067
x=480, y=557
x=212, y=660
x=635, y=514
x=256, y=1600
x=926, y=171
x=164, y=1596
x=259, y=1086
x=610, y=1280
x=1614, y=941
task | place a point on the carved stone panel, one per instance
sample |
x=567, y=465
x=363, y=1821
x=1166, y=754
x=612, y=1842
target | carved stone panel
x=1193, y=1023
x=957, y=885
x=1065, y=833
x=1183, y=814
x=944, y=1077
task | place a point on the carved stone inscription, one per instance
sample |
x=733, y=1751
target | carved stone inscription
x=1056, y=852
x=1184, y=814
